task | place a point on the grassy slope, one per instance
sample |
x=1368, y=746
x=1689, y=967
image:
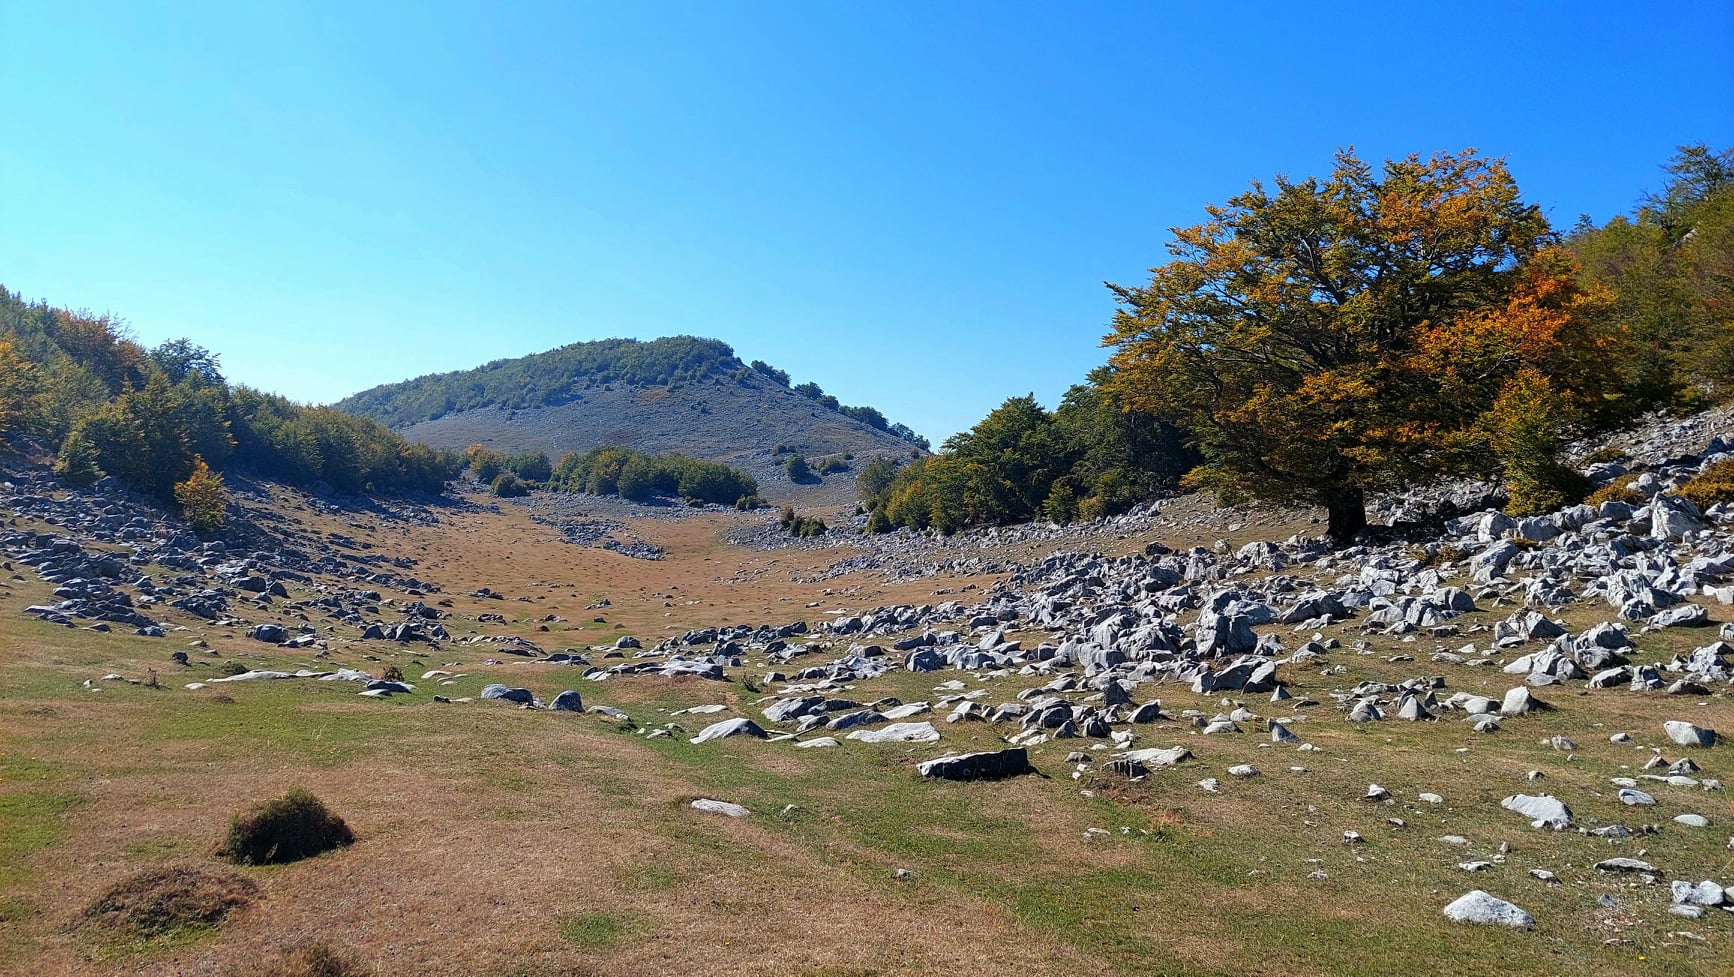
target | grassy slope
x=501, y=841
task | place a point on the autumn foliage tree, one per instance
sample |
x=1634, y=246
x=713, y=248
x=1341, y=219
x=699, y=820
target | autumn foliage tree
x=201, y=497
x=1332, y=338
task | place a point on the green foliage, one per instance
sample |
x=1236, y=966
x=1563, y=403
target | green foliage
x=201, y=497
x=484, y=464
x=143, y=416
x=531, y=466
x=1089, y=458
x=795, y=466
x=639, y=477
x=285, y=829
x=1526, y=427
x=1669, y=269
x=79, y=463
x=562, y=375
x=798, y=525
x=780, y=377
x=506, y=485
x=874, y=478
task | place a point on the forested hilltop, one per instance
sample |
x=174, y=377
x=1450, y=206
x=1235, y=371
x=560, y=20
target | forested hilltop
x=564, y=375
x=154, y=418
x=1318, y=341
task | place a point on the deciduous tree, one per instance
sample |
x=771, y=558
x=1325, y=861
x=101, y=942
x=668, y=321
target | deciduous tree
x=1286, y=332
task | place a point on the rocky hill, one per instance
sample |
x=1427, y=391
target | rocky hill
x=684, y=395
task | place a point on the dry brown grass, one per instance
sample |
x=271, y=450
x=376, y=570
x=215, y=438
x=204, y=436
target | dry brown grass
x=160, y=902
x=501, y=841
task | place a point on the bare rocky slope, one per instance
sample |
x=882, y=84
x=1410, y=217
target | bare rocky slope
x=728, y=413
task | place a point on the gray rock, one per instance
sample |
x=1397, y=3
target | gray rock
x=1686, y=734
x=1542, y=810
x=508, y=694
x=567, y=701
x=898, y=733
x=1477, y=906
x=1624, y=865
x=739, y=726
x=978, y=766
x=719, y=807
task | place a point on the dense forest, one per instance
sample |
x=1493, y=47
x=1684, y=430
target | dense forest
x=1321, y=340
x=562, y=375
x=76, y=382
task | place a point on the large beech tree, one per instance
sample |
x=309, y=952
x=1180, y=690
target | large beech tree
x=1336, y=337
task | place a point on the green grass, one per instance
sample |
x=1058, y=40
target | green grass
x=600, y=930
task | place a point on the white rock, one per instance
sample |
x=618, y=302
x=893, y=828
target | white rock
x=1476, y=906
x=1542, y=810
x=897, y=733
x=719, y=807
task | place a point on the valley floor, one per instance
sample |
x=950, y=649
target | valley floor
x=498, y=840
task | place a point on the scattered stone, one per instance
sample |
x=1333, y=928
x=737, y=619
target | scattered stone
x=719, y=807
x=1477, y=906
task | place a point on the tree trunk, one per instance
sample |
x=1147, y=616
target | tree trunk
x=1348, y=515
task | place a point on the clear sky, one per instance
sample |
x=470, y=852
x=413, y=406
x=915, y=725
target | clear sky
x=913, y=204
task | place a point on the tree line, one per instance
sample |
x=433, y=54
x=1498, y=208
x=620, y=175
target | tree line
x=149, y=417
x=562, y=375
x=631, y=474
x=1322, y=340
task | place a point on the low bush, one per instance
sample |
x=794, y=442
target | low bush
x=1616, y=491
x=163, y=902
x=1712, y=485
x=286, y=829
x=509, y=486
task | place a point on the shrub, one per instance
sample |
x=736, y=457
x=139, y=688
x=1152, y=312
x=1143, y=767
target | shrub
x=78, y=460
x=289, y=828
x=1616, y=491
x=161, y=901
x=509, y=486
x=201, y=497
x=1603, y=455
x=1712, y=485
x=797, y=469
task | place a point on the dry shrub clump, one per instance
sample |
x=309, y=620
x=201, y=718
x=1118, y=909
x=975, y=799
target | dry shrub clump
x=1710, y=486
x=161, y=901
x=286, y=829
x=1616, y=491
x=309, y=960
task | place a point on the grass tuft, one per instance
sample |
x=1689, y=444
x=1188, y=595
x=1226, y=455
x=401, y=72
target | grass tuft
x=166, y=905
x=318, y=959
x=286, y=829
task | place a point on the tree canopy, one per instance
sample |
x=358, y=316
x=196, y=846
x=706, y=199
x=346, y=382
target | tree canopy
x=1329, y=338
x=151, y=417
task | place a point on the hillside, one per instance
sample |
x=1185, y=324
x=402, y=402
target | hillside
x=685, y=395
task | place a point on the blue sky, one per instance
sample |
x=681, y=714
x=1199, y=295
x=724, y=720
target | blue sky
x=913, y=204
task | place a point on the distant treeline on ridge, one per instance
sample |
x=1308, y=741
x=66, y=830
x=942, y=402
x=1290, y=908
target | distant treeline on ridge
x=562, y=375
